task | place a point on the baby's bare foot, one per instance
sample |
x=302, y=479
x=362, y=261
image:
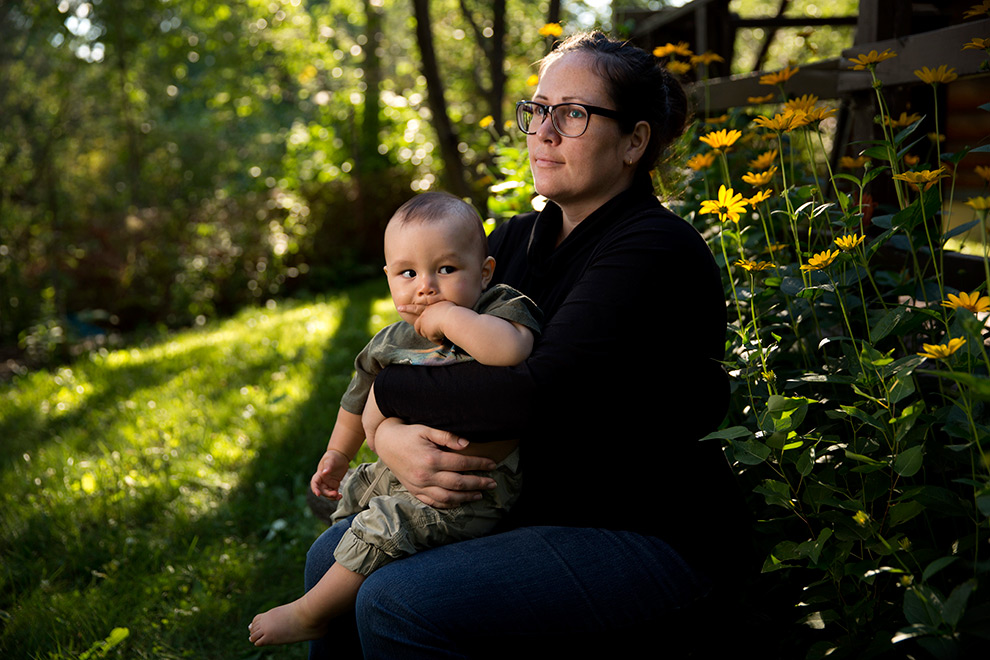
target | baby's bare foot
x=284, y=624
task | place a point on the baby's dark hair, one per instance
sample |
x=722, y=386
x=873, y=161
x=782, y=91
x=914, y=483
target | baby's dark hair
x=442, y=206
x=641, y=88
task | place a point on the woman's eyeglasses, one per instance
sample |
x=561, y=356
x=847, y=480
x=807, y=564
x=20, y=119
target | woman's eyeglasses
x=568, y=119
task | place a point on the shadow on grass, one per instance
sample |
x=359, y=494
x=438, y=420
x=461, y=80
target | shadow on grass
x=184, y=581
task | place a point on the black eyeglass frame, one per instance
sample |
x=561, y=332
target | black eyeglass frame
x=590, y=109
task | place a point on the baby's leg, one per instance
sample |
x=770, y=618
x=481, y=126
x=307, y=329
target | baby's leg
x=307, y=617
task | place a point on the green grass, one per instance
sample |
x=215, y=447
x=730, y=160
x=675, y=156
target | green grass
x=161, y=489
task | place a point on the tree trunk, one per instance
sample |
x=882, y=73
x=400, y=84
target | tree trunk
x=453, y=167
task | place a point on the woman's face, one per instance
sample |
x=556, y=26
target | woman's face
x=579, y=174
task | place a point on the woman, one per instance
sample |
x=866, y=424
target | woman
x=623, y=511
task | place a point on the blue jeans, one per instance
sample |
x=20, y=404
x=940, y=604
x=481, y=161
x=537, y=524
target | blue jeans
x=533, y=587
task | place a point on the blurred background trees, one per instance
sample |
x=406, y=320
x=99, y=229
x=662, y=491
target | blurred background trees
x=163, y=161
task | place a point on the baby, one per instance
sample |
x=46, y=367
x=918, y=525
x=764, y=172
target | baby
x=437, y=264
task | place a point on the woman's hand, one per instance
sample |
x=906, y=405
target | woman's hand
x=428, y=464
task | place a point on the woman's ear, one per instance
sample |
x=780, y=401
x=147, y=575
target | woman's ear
x=638, y=139
x=487, y=270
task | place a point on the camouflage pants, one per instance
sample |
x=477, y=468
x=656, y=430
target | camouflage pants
x=391, y=523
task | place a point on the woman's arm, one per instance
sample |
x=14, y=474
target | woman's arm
x=427, y=459
x=636, y=290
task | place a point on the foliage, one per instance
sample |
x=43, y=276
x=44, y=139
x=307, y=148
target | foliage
x=860, y=419
x=154, y=495
x=167, y=162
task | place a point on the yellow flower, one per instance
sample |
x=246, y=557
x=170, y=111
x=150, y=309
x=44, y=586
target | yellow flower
x=728, y=206
x=821, y=260
x=977, y=10
x=761, y=196
x=678, y=68
x=936, y=137
x=974, y=302
x=983, y=171
x=706, y=58
x=722, y=139
x=778, y=77
x=802, y=103
x=977, y=44
x=851, y=163
x=764, y=160
x=486, y=121
x=911, y=160
x=701, y=161
x=904, y=120
x=979, y=203
x=681, y=48
x=927, y=177
x=756, y=100
x=820, y=112
x=861, y=517
x=551, y=30
x=871, y=59
x=761, y=179
x=533, y=80
x=777, y=247
x=754, y=265
x=942, y=74
x=849, y=241
x=717, y=120
x=785, y=122
x=941, y=351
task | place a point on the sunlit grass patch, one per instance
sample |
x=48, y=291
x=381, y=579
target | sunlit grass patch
x=161, y=488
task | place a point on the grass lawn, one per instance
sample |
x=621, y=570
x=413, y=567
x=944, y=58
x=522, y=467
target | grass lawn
x=161, y=489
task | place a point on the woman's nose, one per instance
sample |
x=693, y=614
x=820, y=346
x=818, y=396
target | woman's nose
x=546, y=130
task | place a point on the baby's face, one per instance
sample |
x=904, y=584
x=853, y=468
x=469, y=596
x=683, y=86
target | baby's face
x=427, y=262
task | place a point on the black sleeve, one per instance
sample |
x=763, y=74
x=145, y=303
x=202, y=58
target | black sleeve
x=620, y=319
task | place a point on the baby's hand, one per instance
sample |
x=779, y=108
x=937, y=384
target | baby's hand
x=429, y=324
x=329, y=473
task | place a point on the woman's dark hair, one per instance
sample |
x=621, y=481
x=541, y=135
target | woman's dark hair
x=640, y=87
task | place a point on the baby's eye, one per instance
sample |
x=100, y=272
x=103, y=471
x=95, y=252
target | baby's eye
x=447, y=270
x=409, y=273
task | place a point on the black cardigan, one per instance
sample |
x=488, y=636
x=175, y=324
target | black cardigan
x=620, y=385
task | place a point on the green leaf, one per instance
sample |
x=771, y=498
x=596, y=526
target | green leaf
x=784, y=413
x=878, y=153
x=848, y=177
x=729, y=433
x=937, y=566
x=909, y=461
x=863, y=416
x=904, y=511
x=805, y=462
x=775, y=493
x=954, y=158
x=983, y=504
x=750, y=452
x=862, y=458
x=923, y=605
x=907, y=130
x=976, y=384
x=955, y=604
x=961, y=229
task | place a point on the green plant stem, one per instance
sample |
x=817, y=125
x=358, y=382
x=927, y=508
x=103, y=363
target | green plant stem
x=888, y=138
x=931, y=246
